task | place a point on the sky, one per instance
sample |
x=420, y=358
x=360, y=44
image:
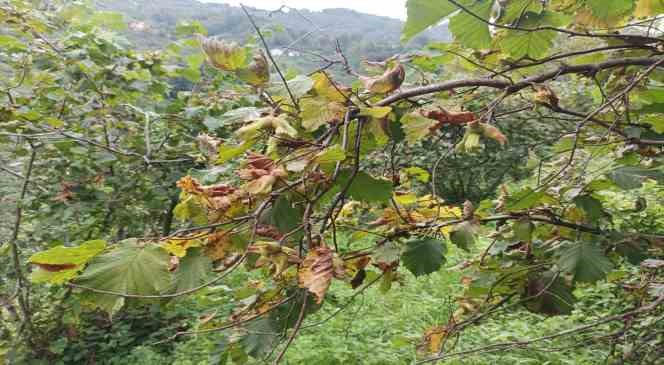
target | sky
x=390, y=8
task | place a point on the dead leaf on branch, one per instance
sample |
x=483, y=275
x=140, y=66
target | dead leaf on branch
x=448, y=117
x=317, y=270
x=389, y=81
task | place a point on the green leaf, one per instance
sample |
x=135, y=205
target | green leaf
x=377, y=112
x=523, y=229
x=422, y=14
x=285, y=216
x=299, y=86
x=606, y=11
x=519, y=44
x=416, y=126
x=365, y=188
x=10, y=43
x=423, y=256
x=418, y=173
x=585, y=261
x=469, y=31
x=656, y=121
x=59, y=264
x=193, y=270
x=463, y=235
x=516, y=8
x=590, y=205
x=212, y=123
x=334, y=153
x=229, y=152
x=241, y=115
x=109, y=19
x=130, y=268
x=525, y=199
x=631, y=177
x=551, y=295
x=188, y=28
x=386, y=253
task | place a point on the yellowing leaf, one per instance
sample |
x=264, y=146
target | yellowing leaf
x=378, y=127
x=262, y=185
x=317, y=270
x=645, y=8
x=178, y=247
x=67, y=256
x=324, y=87
x=274, y=256
x=418, y=173
x=59, y=264
x=377, y=112
x=316, y=113
x=405, y=199
x=279, y=124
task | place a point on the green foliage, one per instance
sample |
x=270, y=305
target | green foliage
x=423, y=14
x=59, y=264
x=294, y=191
x=423, y=256
x=586, y=262
x=130, y=268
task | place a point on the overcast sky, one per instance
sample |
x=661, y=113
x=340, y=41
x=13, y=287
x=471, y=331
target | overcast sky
x=391, y=8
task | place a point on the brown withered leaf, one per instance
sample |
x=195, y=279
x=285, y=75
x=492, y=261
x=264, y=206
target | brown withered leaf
x=218, y=245
x=545, y=95
x=55, y=267
x=447, y=117
x=389, y=81
x=317, y=270
x=433, y=340
x=489, y=131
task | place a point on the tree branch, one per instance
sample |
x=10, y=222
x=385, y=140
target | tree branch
x=515, y=87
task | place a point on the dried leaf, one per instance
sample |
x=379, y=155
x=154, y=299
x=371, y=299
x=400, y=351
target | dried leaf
x=489, y=131
x=317, y=270
x=389, y=81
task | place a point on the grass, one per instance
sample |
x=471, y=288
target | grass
x=385, y=328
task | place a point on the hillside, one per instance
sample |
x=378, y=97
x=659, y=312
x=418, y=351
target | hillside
x=373, y=37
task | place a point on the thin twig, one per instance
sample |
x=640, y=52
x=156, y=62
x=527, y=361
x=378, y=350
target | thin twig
x=269, y=54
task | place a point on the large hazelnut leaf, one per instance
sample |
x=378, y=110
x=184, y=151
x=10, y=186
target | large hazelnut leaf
x=130, y=268
x=423, y=256
x=318, y=112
